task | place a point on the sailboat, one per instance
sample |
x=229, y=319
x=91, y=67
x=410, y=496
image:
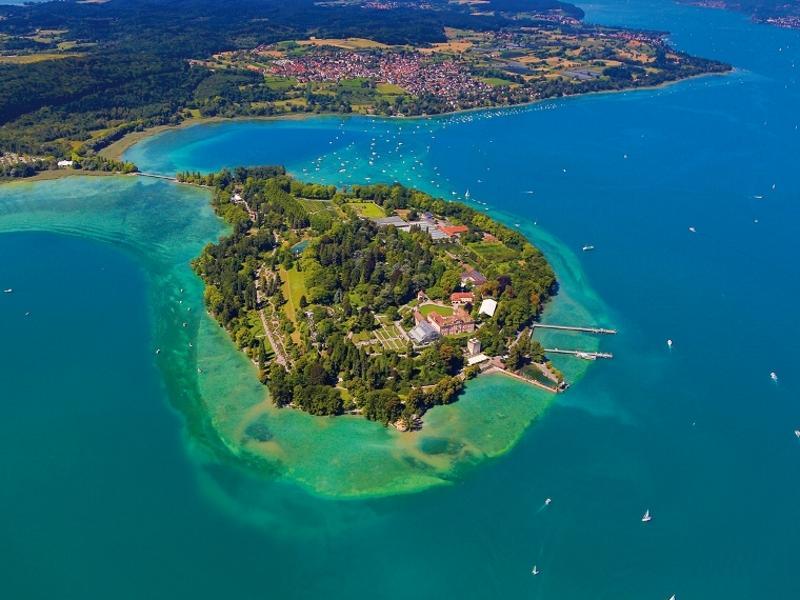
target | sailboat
x=647, y=517
x=669, y=343
x=797, y=433
x=535, y=570
x=466, y=194
x=773, y=376
x=8, y=290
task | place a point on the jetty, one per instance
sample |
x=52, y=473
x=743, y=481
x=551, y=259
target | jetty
x=580, y=353
x=596, y=330
x=154, y=176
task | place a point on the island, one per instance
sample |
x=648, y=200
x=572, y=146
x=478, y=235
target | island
x=780, y=13
x=77, y=77
x=376, y=300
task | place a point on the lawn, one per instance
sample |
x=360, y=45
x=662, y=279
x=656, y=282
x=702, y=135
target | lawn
x=294, y=286
x=389, y=89
x=493, y=252
x=368, y=210
x=496, y=81
x=279, y=84
x=427, y=309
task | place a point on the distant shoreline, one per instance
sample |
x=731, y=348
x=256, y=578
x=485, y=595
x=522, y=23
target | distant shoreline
x=117, y=149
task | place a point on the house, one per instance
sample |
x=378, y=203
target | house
x=488, y=307
x=422, y=297
x=423, y=333
x=63, y=164
x=473, y=347
x=472, y=277
x=462, y=298
x=458, y=322
x=452, y=231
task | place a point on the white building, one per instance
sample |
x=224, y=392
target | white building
x=488, y=307
x=63, y=164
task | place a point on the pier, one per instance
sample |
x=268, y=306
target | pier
x=580, y=353
x=154, y=176
x=597, y=330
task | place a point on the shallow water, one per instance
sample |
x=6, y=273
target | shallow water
x=700, y=435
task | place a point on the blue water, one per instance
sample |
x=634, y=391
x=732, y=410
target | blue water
x=700, y=435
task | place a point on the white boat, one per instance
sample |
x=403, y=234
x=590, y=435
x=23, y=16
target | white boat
x=692, y=229
x=647, y=517
x=773, y=376
x=587, y=248
x=585, y=356
x=673, y=597
x=158, y=351
x=8, y=290
x=535, y=570
x=669, y=343
x=466, y=194
x=797, y=433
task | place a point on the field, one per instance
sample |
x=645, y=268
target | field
x=27, y=59
x=492, y=251
x=294, y=286
x=368, y=210
x=427, y=309
x=346, y=44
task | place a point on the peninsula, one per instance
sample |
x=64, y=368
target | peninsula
x=376, y=300
x=780, y=13
x=77, y=76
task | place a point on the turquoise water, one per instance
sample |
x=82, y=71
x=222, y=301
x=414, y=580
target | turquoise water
x=105, y=493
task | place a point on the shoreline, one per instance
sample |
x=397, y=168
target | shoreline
x=117, y=149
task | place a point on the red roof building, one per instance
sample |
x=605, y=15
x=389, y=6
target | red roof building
x=462, y=298
x=453, y=230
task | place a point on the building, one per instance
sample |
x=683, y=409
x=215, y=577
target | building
x=474, y=347
x=462, y=298
x=452, y=231
x=429, y=227
x=393, y=221
x=63, y=164
x=458, y=322
x=488, y=307
x=472, y=277
x=423, y=333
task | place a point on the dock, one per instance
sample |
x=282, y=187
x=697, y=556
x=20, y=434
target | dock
x=580, y=353
x=596, y=330
x=154, y=176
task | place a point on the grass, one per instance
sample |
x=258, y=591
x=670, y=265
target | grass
x=496, y=81
x=389, y=89
x=294, y=286
x=427, y=309
x=27, y=59
x=279, y=84
x=493, y=252
x=368, y=210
